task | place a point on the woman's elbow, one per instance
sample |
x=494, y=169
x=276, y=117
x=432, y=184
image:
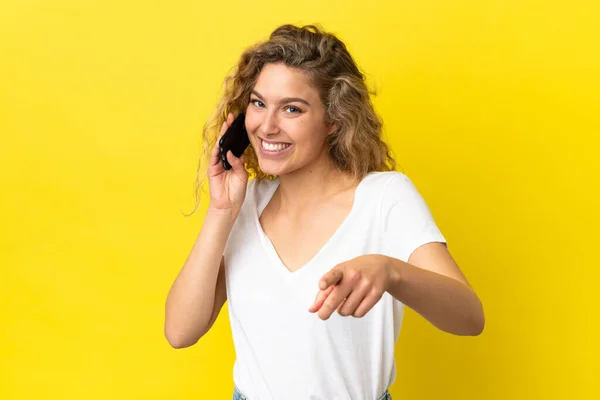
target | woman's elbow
x=477, y=327
x=477, y=323
x=178, y=339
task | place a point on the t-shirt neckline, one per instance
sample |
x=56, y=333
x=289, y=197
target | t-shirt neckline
x=270, y=248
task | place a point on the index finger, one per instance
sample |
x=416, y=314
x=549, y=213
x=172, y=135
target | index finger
x=333, y=300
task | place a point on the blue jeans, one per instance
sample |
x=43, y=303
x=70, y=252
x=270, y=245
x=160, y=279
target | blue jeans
x=237, y=395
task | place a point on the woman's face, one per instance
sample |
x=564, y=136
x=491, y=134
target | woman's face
x=285, y=120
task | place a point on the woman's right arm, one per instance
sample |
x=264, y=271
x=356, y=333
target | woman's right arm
x=198, y=293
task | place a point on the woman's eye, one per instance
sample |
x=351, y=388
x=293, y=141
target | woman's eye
x=293, y=109
x=257, y=103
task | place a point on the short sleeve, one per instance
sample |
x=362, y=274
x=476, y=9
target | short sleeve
x=407, y=220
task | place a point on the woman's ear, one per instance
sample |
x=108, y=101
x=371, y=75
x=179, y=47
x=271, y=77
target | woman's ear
x=333, y=129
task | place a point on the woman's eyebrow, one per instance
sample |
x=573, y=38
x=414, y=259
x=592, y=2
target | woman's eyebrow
x=285, y=99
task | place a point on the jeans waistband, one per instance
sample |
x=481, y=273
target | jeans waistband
x=238, y=395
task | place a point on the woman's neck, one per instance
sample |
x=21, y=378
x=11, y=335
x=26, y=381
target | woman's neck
x=311, y=186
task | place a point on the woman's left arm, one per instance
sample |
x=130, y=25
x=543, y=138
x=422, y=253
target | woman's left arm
x=432, y=284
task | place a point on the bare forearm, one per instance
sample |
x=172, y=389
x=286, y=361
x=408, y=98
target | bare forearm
x=445, y=302
x=190, y=301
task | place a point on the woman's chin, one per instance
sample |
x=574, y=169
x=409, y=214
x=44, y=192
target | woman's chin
x=272, y=168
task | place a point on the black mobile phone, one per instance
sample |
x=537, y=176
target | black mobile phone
x=235, y=139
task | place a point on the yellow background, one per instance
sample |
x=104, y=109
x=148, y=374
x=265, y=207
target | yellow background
x=491, y=107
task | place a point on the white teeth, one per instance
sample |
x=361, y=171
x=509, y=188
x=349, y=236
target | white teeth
x=274, y=146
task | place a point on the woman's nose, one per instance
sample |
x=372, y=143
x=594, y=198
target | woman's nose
x=270, y=124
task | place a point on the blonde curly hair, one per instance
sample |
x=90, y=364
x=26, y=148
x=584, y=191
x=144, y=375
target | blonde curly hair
x=356, y=147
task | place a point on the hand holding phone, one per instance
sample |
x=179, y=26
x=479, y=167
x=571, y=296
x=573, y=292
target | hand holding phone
x=227, y=176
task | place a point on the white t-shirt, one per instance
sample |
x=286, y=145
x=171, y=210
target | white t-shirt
x=284, y=352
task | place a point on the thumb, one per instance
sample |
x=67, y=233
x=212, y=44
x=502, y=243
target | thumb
x=331, y=278
x=233, y=160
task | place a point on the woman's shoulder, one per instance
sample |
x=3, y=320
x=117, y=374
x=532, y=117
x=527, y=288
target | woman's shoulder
x=390, y=187
x=260, y=190
x=261, y=186
x=380, y=181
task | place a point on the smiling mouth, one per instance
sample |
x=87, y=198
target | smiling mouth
x=273, y=146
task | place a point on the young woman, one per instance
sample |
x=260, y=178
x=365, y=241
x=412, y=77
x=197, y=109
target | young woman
x=320, y=251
